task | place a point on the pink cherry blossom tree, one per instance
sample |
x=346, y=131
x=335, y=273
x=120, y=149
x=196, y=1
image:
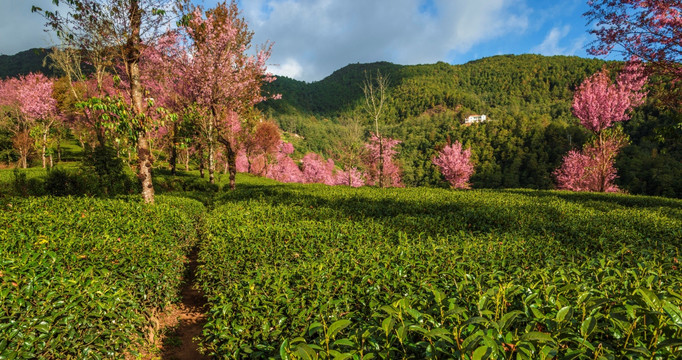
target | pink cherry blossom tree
x=222, y=77
x=647, y=29
x=382, y=169
x=599, y=103
x=317, y=170
x=34, y=110
x=352, y=177
x=13, y=119
x=284, y=168
x=455, y=164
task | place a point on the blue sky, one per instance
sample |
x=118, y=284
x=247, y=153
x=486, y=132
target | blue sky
x=312, y=38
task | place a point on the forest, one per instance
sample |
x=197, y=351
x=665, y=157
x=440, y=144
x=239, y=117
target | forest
x=527, y=99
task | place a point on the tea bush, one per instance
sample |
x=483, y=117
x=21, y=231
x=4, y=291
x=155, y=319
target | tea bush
x=295, y=271
x=79, y=277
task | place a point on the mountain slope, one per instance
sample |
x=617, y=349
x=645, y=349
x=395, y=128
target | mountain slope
x=25, y=62
x=506, y=83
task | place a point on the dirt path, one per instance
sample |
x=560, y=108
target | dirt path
x=178, y=343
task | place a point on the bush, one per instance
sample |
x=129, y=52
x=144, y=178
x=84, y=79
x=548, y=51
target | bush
x=61, y=182
x=24, y=186
x=109, y=170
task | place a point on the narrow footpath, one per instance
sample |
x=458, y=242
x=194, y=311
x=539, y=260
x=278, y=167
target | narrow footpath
x=179, y=343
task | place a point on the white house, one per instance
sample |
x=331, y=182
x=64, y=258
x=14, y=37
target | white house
x=475, y=119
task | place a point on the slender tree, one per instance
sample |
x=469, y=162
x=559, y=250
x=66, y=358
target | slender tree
x=374, y=89
x=38, y=104
x=125, y=27
x=382, y=169
x=223, y=78
x=13, y=119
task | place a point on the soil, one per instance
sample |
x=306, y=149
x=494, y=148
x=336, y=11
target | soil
x=179, y=343
x=180, y=323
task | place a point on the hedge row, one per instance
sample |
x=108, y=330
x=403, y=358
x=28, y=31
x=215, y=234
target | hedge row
x=79, y=277
x=297, y=271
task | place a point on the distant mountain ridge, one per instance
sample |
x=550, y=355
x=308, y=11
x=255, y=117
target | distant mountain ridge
x=25, y=62
x=499, y=83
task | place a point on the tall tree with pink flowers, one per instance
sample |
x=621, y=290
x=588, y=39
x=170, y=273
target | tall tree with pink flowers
x=599, y=103
x=383, y=171
x=37, y=103
x=651, y=30
x=223, y=78
x=33, y=111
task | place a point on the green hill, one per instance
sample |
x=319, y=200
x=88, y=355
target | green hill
x=500, y=83
x=527, y=97
x=24, y=62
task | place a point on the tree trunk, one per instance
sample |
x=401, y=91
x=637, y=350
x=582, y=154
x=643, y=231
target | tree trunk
x=381, y=162
x=59, y=151
x=144, y=169
x=200, y=152
x=174, y=150
x=231, y=161
x=211, y=165
x=187, y=159
x=44, y=145
x=144, y=156
x=210, y=144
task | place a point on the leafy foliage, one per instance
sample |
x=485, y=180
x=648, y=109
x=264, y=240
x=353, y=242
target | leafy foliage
x=308, y=271
x=79, y=277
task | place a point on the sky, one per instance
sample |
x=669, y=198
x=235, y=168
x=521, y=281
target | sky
x=312, y=38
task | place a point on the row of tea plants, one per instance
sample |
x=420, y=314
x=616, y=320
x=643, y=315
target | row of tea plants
x=81, y=277
x=315, y=272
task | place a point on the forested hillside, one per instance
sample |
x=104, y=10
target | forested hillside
x=527, y=99
x=24, y=62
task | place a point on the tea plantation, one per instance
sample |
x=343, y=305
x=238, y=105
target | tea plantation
x=297, y=271
x=317, y=272
x=79, y=277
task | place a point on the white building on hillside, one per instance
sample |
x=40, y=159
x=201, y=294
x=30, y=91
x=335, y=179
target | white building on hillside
x=475, y=119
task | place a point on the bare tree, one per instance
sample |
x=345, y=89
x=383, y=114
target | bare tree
x=374, y=89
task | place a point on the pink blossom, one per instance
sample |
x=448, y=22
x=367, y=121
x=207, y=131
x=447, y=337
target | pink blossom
x=598, y=103
x=353, y=177
x=455, y=165
x=382, y=167
x=317, y=170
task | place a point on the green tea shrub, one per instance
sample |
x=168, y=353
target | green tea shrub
x=59, y=182
x=79, y=277
x=301, y=271
x=109, y=169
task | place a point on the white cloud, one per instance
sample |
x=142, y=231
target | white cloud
x=551, y=45
x=320, y=36
x=289, y=68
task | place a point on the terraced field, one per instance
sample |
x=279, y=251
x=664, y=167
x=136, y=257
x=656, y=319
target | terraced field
x=317, y=272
